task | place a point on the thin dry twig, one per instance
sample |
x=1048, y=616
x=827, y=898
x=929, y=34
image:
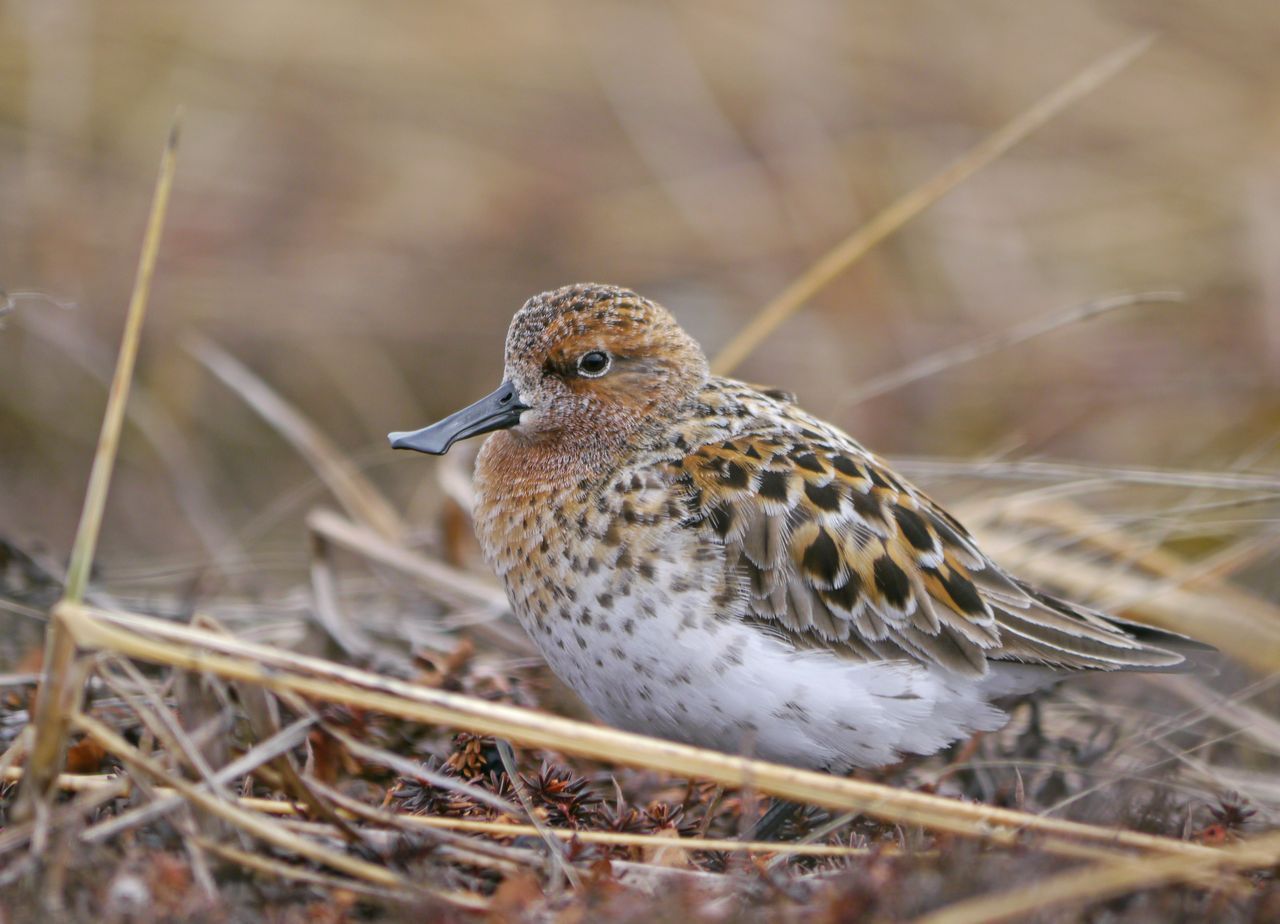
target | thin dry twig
x=414, y=770
x=250, y=822
x=287, y=738
x=288, y=871
x=554, y=848
x=1000, y=340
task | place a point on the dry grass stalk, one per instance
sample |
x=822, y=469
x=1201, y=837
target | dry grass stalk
x=358, y=497
x=887, y=222
x=462, y=591
x=457, y=588
x=195, y=650
x=1102, y=881
x=60, y=690
x=1058, y=472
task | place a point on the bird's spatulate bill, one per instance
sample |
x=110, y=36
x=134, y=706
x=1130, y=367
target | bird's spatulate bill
x=496, y=411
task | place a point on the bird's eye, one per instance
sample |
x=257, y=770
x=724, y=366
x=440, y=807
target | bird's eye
x=594, y=364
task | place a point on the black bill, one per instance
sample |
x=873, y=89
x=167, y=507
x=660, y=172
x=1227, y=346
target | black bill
x=497, y=411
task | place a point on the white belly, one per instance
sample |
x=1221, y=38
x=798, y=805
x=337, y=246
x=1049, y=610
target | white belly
x=667, y=668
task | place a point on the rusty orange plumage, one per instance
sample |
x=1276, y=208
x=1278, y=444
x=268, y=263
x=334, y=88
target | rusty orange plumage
x=701, y=559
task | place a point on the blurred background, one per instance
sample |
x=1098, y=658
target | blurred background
x=365, y=193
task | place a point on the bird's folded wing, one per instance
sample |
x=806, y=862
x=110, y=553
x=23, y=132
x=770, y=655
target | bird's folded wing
x=836, y=552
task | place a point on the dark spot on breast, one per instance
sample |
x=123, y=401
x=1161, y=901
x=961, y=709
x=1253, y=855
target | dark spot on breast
x=646, y=570
x=625, y=560
x=913, y=528
x=629, y=626
x=891, y=581
x=822, y=558
x=826, y=497
x=750, y=452
x=605, y=600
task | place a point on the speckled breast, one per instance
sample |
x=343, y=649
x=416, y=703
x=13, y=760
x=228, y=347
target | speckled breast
x=606, y=580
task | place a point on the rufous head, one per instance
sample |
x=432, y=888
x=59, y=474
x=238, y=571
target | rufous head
x=588, y=368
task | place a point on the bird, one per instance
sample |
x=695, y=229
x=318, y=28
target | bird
x=701, y=560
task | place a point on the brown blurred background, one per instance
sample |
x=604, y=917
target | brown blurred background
x=366, y=192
